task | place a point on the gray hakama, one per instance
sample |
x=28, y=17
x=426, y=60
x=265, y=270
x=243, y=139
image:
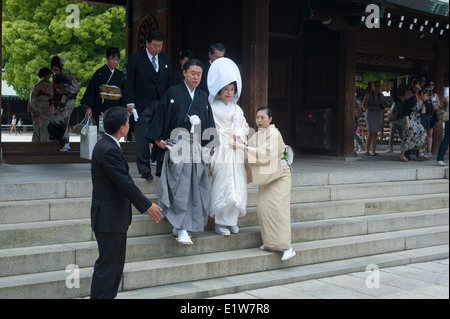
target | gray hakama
x=183, y=190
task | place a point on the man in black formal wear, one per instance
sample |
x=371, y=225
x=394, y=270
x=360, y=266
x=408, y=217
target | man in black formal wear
x=147, y=81
x=113, y=193
x=216, y=51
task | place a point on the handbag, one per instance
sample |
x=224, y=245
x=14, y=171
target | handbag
x=82, y=127
x=88, y=141
x=442, y=114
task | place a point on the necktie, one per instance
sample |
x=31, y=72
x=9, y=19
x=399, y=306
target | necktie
x=154, y=63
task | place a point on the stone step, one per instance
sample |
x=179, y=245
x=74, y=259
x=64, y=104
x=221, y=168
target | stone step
x=18, y=261
x=48, y=226
x=234, y=284
x=56, y=231
x=168, y=271
x=80, y=186
x=23, y=211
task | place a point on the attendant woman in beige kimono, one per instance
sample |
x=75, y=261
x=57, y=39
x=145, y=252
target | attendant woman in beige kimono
x=273, y=176
x=41, y=105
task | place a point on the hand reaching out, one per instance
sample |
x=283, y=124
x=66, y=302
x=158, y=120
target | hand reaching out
x=154, y=212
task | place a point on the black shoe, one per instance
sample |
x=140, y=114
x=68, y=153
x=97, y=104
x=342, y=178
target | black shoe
x=147, y=176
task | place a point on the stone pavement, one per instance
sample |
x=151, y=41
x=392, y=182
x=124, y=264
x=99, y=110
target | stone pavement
x=427, y=280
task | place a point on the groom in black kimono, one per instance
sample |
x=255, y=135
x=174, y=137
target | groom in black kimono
x=183, y=189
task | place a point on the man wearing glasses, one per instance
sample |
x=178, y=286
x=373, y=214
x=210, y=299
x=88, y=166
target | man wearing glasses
x=147, y=81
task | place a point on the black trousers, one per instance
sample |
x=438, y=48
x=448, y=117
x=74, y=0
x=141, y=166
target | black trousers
x=142, y=145
x=108, y=268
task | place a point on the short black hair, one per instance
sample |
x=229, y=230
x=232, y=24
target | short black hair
x=217, y=46
x=192, y=62
x=114, y=118
x=186, y=53
x=43, y=72
x=112, y=52
x=155, y=35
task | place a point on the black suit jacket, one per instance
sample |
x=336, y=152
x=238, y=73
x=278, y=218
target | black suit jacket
x=113, y=189
x=143, y=84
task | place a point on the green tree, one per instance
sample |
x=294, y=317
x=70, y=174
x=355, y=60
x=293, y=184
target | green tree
x=36, y=30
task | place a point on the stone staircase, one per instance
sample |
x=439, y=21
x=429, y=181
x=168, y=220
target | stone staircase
x=341, y=223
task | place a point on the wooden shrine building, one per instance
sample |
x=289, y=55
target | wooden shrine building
x=300, y=57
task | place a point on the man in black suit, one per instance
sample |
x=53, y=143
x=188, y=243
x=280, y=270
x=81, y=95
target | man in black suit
x=113, y=193
x=147, y=81
x=216, y=51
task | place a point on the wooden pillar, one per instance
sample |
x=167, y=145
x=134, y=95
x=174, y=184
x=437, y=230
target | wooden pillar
x=346, y=93
x=255, y=57
x=438, y=78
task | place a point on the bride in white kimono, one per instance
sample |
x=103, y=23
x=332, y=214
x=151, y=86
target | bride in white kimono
x=229, y=177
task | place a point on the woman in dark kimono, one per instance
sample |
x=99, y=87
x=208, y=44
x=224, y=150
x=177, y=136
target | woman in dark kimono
x=66, y=87
x=105, y=87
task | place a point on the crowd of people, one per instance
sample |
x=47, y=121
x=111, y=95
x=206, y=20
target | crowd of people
x=413, y=119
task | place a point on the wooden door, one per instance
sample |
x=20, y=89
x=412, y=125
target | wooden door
x=283, y=79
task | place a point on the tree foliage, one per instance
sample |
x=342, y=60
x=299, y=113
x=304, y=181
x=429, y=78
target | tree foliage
x=36, y=30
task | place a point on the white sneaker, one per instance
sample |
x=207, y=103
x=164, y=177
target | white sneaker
x=288, y=254
x=222, y=230
x=65, y=148
x=441, y=163
x=234, y=229
x=184, y=238
x=389, y=150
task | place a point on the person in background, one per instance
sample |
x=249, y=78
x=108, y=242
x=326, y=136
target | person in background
x=147, y=81
x=414, y=137
x=216, y=51
x=358, y=146
x=13, y=125
x=66, y=86
x=177, y=76
x=40, y=105
x=373, y=104
x=430, y=115
x=105, y=87
x=272, y=174
x=444, y=144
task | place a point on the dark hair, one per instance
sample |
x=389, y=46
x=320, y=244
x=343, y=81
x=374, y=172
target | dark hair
x=114, y=118
x=192, y=62
x=217, y=46
x=434, y=85
x=154, y=35
x=235, y=88
x=56, y=61
x=41, y=72
x=266, y=109
x=186, y=53
x=112, y=52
